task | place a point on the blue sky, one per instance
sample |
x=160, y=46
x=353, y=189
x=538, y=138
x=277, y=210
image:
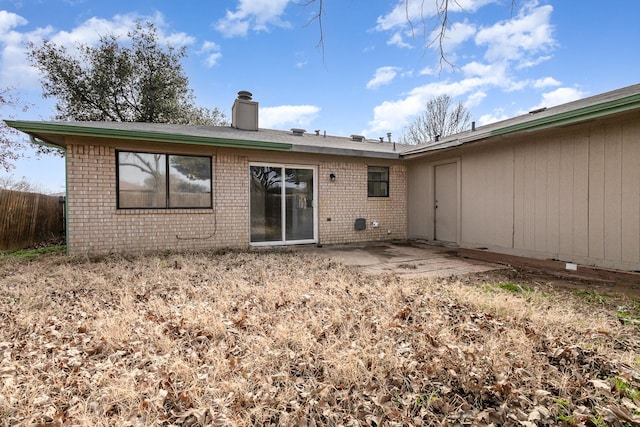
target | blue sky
x=375, y=74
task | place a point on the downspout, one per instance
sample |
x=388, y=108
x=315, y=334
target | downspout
x=37, y=141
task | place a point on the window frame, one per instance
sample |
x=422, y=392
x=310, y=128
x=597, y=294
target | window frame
x=370, y=181
x=167, y=204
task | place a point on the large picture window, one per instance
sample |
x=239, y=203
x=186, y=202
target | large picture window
x=377, y=181
x=163, y=181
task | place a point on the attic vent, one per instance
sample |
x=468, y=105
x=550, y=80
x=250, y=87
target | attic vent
x=298, y=132
x=357, y=138
x=539, y=110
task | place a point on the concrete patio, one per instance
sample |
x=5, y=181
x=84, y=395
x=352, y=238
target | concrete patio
x=407, y=259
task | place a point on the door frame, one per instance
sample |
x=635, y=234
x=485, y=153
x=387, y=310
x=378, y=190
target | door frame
x=458, y=186
x=283, y=202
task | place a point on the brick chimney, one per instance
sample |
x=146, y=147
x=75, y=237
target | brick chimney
x=244, y=113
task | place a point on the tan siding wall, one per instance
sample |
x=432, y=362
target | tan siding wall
x=490, y=203
x=97, y=226
x=572, y=195
x=630, y=242
x=420, y=199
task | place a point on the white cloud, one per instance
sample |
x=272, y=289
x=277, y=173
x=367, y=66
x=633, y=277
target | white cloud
x=391, y=115
x=404, y=13
x=532, y=62
x=287, y=115
x=15, y=71
x=546, y=82
x=471, y=6
x=560, y=96
x=475, y=99
x=414, y=17
x=495, y=73
x=10, y=20
x=211, y=50
x=509, y=45
x=495, y=116
x=208, y=46
x=212, y=59
x=427, y=71
x=90, y=31
x=397, y=40
x=383, y=76
x=15, y=67
x=257, y=15
x=519, y=39
x=457, y=34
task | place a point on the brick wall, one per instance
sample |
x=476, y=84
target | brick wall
x=97, y=226
x=345, y=199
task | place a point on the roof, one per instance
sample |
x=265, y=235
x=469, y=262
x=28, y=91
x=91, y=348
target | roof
x=606, y=104
x=53, y=133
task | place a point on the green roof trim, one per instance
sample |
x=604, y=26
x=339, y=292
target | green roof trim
x=573, y=116
x=33, y=127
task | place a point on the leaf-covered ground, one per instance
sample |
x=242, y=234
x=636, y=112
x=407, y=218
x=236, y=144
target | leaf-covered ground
x=281, y=338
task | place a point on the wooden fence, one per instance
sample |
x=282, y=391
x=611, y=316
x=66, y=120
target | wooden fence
x=27, y=219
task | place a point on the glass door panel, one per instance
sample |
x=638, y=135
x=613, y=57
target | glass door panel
x=299, y=213
x=266, y=204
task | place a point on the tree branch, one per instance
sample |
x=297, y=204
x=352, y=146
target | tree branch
x=317, y=17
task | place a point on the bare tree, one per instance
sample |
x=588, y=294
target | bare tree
x=9, y=182
x=10, y=145
x=439, y=119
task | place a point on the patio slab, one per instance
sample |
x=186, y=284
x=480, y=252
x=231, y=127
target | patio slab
x=412, y=259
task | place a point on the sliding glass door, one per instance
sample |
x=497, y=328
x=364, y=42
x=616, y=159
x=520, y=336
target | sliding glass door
x=282, y=204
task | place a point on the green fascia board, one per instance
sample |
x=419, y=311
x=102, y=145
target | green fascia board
x=31, y=127
x=573, y=116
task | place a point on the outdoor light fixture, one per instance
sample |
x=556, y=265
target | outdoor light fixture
x=332, y=177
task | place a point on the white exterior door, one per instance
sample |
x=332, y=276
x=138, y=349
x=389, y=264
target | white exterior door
x=446, y=202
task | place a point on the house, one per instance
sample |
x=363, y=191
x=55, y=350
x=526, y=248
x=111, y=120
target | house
x=560, y=183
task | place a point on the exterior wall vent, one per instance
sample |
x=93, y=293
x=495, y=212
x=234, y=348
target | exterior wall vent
x=298, y=132
x=357, y=138
x=539, y=110
x=244, y=112
x=360, y=224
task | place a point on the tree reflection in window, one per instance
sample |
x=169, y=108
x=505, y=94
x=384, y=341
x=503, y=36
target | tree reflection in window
x=142, y=181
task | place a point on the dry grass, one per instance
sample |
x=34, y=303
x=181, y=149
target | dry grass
x=278, y=338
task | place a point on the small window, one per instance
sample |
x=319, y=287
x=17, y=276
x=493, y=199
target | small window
x=143, y=181
x=377, y=181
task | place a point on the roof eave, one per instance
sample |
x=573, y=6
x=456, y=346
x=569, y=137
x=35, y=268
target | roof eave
x=37, y=129
x=574, y=116
x=565, y=118
x=345, y=152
